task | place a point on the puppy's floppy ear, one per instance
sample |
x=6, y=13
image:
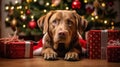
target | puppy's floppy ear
x=40, y=22
x=81, y=23
x=43, y=22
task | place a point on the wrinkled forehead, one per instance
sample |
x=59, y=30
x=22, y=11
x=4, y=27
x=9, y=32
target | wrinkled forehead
x=63, y=15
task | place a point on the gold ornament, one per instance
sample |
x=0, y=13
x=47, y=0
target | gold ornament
x=28, y=1
x=53, y=5
x=96, y=3
x=14, y=22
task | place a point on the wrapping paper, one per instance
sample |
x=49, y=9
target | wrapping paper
x=17, y=50
x=113, y=53
x=97, y=42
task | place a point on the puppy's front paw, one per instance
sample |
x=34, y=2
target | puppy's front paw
x=49, y=54
x=71, y=56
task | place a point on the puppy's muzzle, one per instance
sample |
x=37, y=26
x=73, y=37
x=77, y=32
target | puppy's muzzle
x=62, y=34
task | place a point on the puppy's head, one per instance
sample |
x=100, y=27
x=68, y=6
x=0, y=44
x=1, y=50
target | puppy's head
x=62, y=26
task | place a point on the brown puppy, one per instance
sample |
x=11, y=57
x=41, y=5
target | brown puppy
x=62, y=29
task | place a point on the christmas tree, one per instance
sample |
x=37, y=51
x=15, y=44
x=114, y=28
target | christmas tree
x=23, y=16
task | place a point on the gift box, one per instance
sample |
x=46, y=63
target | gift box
x=113, y=53
x=97, y=42
x=22, y=49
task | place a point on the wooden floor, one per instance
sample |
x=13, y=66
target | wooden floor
x=40, y=62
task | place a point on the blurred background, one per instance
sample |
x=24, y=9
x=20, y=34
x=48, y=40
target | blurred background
x=22, y=15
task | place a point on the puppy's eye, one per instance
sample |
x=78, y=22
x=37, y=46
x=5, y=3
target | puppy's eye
x=55, y=22
x=69, y=22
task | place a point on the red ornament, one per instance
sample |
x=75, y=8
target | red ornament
x=89, y=8
x=28, y=12
x=32, y=24
x=76, y=4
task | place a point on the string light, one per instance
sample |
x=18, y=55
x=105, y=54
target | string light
x=21, y=12
x=44, y=10
x=32, y=17
x=103, y=4
x=92, y=14
x=23, y=17
x=92, y=18
x=7, y=19
x=24, y=26
x=112, y=23
x=12, y=7
x=19, y=7
x=96, y=17
x=67, y=8
x=85, y=1
x=105, y=21
x=35, y=0
x=26, y=7
x=7, y=8
x=47, y=4
x=16, y=2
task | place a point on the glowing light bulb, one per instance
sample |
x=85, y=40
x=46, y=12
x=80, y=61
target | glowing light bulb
x=47, y=4
x=21, y=12
x=12, y=7
x=92, y=18
x=96, y=17
x=44, y=10
x=112, y=23
x=7, y=8
x=35, y=0
x=67, y=8
x=24, y=26
x=105, y=22
x=7, y=19
x=26, y=7
x=103, y=5
x=32, y=17
x=85, y=1
x=16, y=2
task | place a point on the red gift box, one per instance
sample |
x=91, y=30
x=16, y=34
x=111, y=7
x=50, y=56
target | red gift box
x=113, y=53
x=22, y=49
x=97, y=42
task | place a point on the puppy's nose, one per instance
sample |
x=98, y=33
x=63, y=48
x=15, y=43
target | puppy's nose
x=61, y=33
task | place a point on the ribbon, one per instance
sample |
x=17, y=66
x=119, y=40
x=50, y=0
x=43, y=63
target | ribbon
x=104, y=40
x=27, y=49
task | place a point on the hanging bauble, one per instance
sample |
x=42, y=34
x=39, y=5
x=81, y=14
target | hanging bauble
x=96, y=4
x=28, y=1
x=76, y=4
x=32, y=24
x=14, y=22
x=89, y=8
x=41, y=2
x=28, y=12
x=56, y=2
x=110, y=4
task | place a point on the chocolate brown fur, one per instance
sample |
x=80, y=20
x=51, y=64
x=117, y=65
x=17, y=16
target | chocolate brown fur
x=62, y=29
